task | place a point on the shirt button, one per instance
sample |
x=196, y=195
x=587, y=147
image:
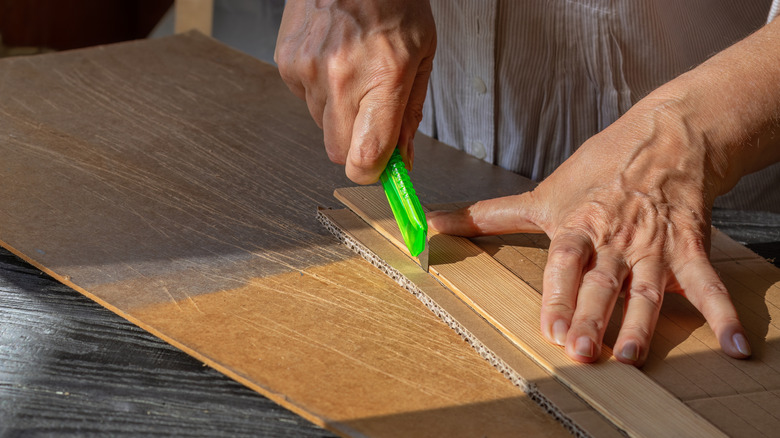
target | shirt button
x=479, y=85
x=478, y=149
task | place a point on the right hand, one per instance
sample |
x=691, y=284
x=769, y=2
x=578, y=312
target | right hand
x=362, y=66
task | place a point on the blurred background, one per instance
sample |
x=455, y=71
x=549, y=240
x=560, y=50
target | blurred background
x=29, y=27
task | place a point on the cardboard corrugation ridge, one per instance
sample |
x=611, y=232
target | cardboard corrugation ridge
x=504, y=368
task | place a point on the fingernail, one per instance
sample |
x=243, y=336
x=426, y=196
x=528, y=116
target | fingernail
x=741, y=343
x=584, y=346
x=630, y=351
x=559, y=330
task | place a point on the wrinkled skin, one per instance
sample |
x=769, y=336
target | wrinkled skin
x=363, y=67
x=629, y=212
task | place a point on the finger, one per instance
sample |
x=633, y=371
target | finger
x=294, y=69
x=406, y=142
x=288, y=73
x=338, y=117
x=286, y=50
x=510, y=214
x=414, y=111
x=704, y=289
x=294, y=85
x=316, y=103
x=567, y=258
x=410, y=153
x=595, y=300
x=644, y=296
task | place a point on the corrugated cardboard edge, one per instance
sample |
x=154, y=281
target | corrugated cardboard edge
x=504, y=368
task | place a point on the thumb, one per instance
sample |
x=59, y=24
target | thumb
x=510, y=214
x=377, y=126
x=374, y=136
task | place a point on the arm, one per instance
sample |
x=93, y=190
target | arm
x=362, y=66
x=630, y=210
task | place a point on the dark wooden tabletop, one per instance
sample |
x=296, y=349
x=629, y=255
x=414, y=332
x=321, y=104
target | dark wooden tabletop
x=70, y=367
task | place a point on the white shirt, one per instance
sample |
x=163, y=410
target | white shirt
x=522, y=84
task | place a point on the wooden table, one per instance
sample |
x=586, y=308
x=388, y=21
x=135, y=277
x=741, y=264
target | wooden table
x=67, y=365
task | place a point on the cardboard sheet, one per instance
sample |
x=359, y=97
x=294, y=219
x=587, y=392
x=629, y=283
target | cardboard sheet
x=175, y=182
x=687, y=365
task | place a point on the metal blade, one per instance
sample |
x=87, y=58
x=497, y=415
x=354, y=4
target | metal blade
x=423, y=257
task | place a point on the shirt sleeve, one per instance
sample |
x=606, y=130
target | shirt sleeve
x=774, y=11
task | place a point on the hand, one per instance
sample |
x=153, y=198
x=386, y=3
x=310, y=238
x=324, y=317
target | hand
x=363, y=67
x=628, y=212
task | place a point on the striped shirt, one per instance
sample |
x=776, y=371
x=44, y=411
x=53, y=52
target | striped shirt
x=522, y=84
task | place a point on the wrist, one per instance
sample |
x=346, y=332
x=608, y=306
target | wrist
x=730, y=105
x=683, y=109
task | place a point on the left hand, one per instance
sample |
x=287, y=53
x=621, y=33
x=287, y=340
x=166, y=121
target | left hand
x=628, y=212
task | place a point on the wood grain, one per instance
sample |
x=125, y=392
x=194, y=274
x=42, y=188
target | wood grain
x=630, y=399
x=518, y=368
x=70, y=367
x=174, y=182
x=737, y=396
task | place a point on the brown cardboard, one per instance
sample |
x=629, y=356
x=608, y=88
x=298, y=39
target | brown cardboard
x=174, y=181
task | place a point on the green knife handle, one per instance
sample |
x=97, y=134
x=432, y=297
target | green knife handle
x=406, y=207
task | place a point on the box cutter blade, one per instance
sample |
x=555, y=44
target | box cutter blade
x=406, y=208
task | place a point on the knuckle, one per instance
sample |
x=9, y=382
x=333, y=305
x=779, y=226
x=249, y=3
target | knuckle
x=341, y=72
x=366, y=156
x=635, y=330
x=562, y=257
x=335, y=154
x=285, y=71
x=691, y=242
x=714, y=301
x=649, y=292
x=286, y=54
x=307, y=70
x=624, y=236
x=414, y=114
x=588, y=324
x=714, y=290
x=557, y=301
x=304, y=73
x=592, y=219
x=282, y=55
x=602, y=279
